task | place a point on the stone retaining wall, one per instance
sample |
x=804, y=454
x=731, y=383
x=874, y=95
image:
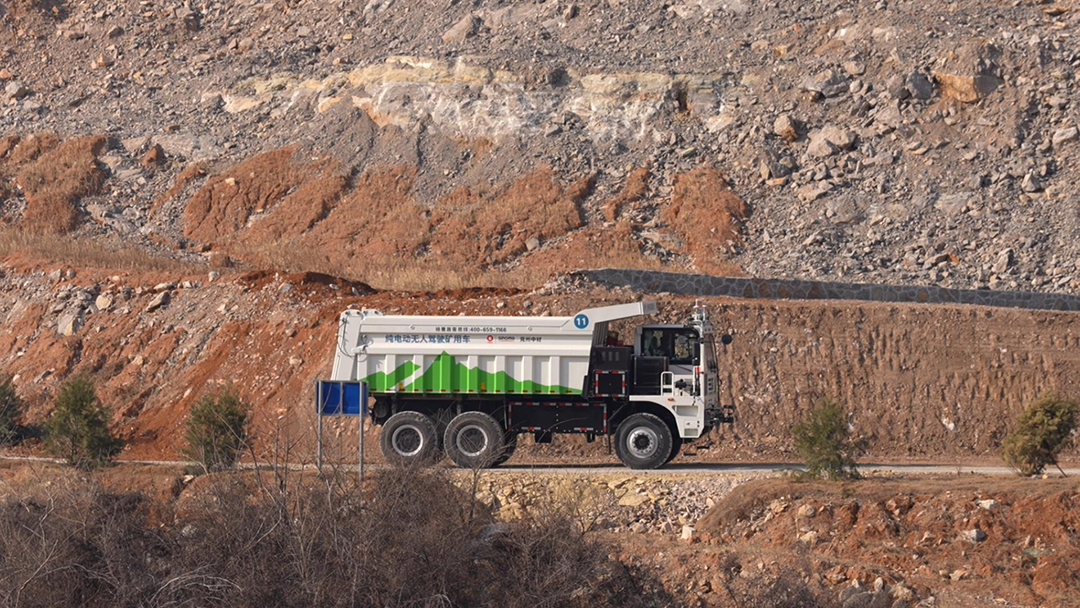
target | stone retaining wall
x=790, y=289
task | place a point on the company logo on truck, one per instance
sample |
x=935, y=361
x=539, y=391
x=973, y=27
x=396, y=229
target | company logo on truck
x=581, y=321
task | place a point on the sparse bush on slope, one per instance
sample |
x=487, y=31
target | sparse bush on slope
x=78, y=429
x=411, y=540
x=10, y=408
x=217, y=430
x=823, y=440
x=1043, y=430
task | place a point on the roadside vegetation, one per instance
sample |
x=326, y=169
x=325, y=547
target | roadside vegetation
x=10, y=410
x=1042, y=431
x=824, y=442
x=284, y=538
x=216, y=430
x=78, y=429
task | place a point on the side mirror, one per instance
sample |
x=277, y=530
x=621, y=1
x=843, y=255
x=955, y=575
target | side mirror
x=725, y=339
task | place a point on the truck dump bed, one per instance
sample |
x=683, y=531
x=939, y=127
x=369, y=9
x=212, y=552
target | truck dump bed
x=473, y=355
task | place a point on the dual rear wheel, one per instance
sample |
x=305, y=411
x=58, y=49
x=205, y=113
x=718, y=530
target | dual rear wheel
x=471, y=440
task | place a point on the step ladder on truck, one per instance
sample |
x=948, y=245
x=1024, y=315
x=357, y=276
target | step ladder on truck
x=467, y=387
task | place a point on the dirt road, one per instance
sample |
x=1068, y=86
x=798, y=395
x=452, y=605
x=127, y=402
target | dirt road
x=703, y=470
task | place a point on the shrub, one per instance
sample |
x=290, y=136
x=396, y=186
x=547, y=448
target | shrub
x=217, y=430
x=78, y=429
x=823, y=441
x=10, y=408
x=1043, y=430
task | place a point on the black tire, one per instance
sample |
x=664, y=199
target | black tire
x=509, y=448
x=474, y=440
x=409, y=438
x=643, y=441
x=676, y=447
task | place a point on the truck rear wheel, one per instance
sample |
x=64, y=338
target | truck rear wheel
x=409, y=438
x=643, y=441
x=474, y=440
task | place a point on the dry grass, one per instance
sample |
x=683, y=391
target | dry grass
x=55, y=179
x=223, y=205
x=635, y=189
x=83, y=253
x=474, y=228
x=386, y=272
x=281, y=538
x=708, y=216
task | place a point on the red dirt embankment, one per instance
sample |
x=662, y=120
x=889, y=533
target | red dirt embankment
x=966, y=540
x=932, y=383
x=296, y=210
x=278, y=212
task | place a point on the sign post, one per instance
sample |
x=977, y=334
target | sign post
x=338, y=398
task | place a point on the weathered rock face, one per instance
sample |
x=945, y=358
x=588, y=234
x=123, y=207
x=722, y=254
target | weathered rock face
x=472, y=101
x=420, y=108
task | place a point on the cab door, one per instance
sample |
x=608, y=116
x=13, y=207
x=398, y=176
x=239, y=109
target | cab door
x=681, y=346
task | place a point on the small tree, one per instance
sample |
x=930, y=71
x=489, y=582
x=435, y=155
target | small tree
x=823, y=440
x=217, y=430
x=1043, y=430
x=10, y=408
x=78, y=429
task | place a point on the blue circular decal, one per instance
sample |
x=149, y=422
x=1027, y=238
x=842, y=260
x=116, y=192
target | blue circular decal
x=581, y=321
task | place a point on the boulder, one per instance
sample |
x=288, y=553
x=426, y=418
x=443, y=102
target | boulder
x=973, y=535
x=1065, y=135
x=160, y=300
x=69, y=324
x=919, y=85
x=830, y=140
x=16, y=90
x=861, y=599
x=687, y=533
x=971, y=73
x=465, y=28
x=829, y=83
x=786, y=127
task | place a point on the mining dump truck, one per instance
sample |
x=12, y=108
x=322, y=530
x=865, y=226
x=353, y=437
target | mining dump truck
x=467, y=387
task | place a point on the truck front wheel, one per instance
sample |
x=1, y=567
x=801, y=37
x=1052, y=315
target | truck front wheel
x=409, y=438
x=643, y=441
x=474, y=440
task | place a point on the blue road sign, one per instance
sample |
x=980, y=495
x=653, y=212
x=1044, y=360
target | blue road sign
x=337, y=398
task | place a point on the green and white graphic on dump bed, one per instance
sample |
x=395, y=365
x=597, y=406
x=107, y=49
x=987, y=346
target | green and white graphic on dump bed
x=473, y=355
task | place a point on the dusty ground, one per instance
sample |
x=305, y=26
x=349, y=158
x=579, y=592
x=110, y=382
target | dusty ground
x=719, y=540
x=968, y=541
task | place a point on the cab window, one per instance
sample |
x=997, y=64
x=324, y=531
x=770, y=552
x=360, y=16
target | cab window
x=680, y=346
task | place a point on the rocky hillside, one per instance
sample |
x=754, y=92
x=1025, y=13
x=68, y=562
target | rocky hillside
x=445, y=144
x=922, y=381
